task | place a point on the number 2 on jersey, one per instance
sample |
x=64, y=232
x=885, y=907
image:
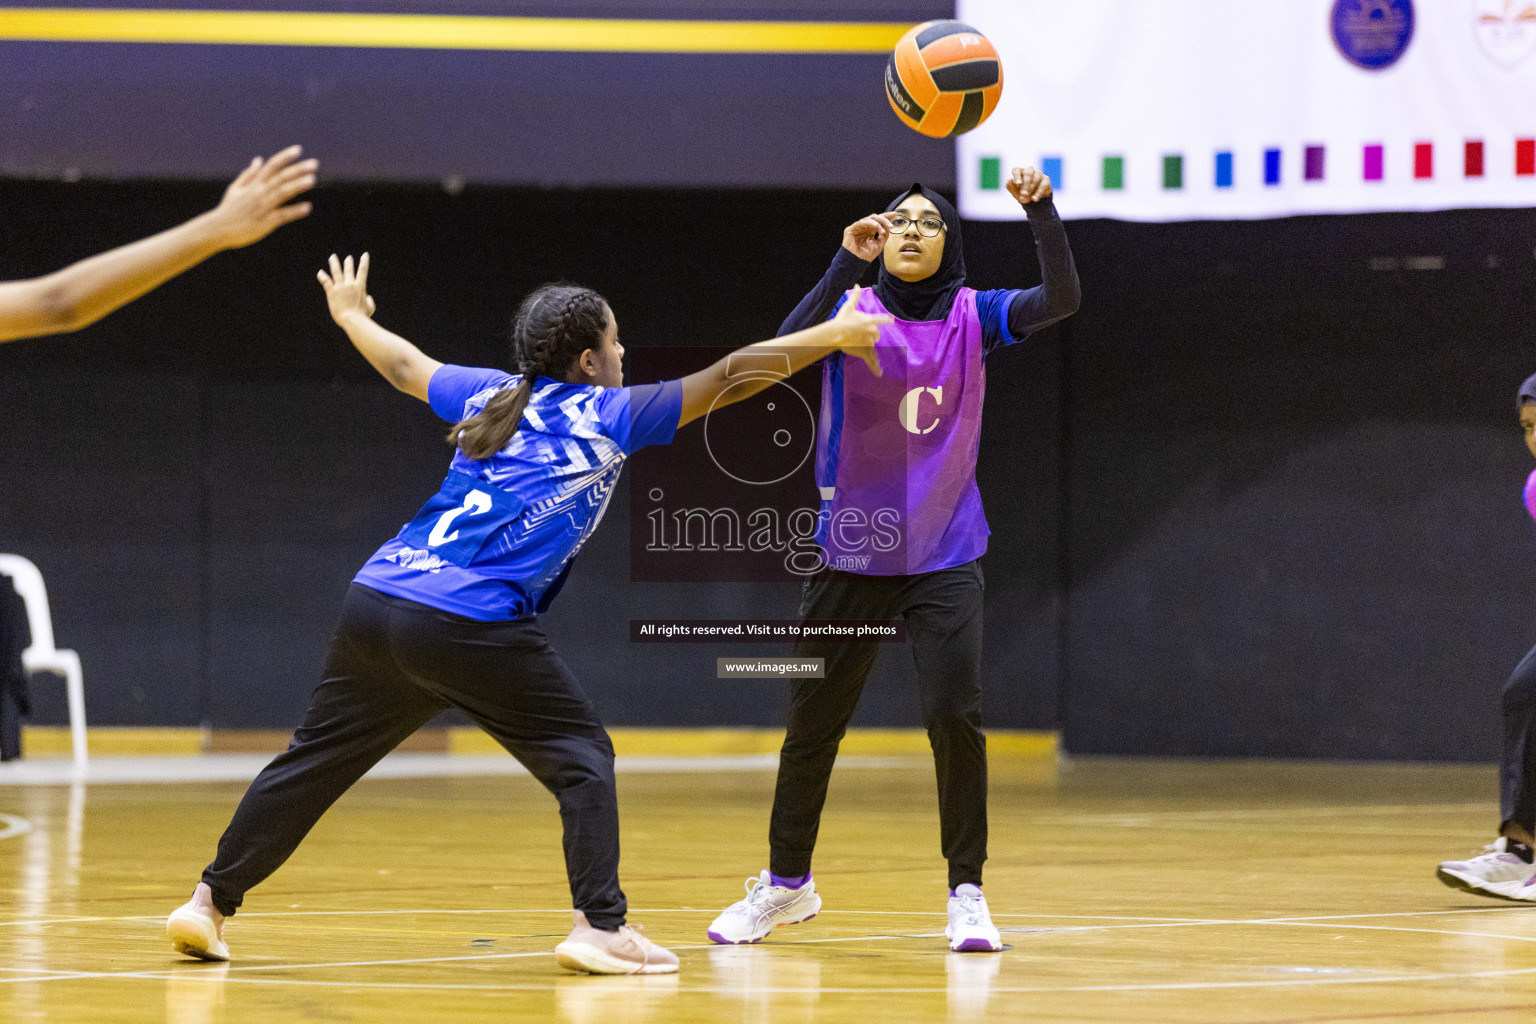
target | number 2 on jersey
x=475, y=502
x=461, y=518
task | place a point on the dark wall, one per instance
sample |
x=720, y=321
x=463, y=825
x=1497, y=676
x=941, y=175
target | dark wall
x=200, y=475
x=152, y=110
x=1283, y=487
x=1293, y=501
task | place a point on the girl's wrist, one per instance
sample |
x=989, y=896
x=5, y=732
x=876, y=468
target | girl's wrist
x=213, y=228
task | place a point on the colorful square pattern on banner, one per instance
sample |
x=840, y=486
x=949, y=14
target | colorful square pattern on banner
x=1173, y=111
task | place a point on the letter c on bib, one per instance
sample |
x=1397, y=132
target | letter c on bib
x=907, y=412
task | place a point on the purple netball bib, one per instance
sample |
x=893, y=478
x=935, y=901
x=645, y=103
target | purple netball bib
x=1530, y=494
x=896, y=454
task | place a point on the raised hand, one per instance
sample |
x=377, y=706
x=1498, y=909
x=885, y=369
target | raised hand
x=253, y=205
x=866, y=238
x=860, y=331
x=346, y=290
x=1028, y=185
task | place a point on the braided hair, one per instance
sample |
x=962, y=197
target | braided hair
x=555, y=324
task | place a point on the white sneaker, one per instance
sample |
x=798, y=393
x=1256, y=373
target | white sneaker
x=1495, y=872
x=766, y=906
x=193, y=933
x=970, y=928
x=625, y=951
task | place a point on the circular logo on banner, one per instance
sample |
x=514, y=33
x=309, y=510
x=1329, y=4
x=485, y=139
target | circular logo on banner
x=1372, y=34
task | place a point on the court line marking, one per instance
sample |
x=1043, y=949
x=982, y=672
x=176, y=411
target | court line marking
x=12, y=826
x=1391, y=928
x=1403, y=1014
x=51, y=975
x=884, y=913
x=1299, y=811
x=758, y=990
x=562, y=911
x=36, y=974
x=1399, y=913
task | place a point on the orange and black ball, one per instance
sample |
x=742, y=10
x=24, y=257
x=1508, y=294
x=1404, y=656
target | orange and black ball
x=944, y=78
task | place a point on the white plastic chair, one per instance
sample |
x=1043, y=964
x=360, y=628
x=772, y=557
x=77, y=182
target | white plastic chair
x=42, y=656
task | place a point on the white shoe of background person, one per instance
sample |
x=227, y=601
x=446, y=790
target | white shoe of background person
x=766, y=907
x=626, y=951
x=1495, y=872
x=970, y=928
x=196, y=929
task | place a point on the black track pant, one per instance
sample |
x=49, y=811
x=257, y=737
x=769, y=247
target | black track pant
x=943, y=615
x=1517, y=771
x=393, y=665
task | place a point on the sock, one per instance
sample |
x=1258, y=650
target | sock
x=966, y=885
x=1521, y=850
x=794, y=882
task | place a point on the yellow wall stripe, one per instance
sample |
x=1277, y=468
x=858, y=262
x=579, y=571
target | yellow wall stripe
x=51, y=740
x=729, y=741
x=444, y=32
x=113, y=741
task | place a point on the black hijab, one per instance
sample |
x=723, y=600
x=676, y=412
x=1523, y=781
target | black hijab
x=1527, y=390
x=930, y=298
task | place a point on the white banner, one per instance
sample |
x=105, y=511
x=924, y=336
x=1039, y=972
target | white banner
x=1193, y=109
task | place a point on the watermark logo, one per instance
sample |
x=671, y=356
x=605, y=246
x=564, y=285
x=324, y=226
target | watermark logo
x=735, y=497
x=775, y=435
x=797, y=536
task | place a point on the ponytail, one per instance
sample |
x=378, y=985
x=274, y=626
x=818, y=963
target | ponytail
x=488, y=431
x=555, y=324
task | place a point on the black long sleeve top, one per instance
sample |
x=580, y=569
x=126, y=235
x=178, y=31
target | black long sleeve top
x=1031, y=309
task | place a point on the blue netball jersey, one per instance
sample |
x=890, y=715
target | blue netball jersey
x=496, y=540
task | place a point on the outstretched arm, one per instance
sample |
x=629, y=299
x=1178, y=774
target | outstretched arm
x=402, y=364
x=753, y=368
x=1059, y=292
x=79, y=295
x=862, y=242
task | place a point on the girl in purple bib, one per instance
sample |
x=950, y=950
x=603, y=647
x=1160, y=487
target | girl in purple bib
x=1505, y=868
x=902, y=529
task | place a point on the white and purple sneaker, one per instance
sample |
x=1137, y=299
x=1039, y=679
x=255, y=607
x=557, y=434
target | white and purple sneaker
x=1495, y=872
x=970, y=928
x=766, y=907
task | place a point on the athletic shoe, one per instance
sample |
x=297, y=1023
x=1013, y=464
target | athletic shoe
x=970, y=928
x=766, y=907
x=1495, y=872
x=626, y=951
x=195, y=934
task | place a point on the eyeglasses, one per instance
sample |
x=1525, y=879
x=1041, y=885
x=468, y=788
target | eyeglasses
x=928, y=227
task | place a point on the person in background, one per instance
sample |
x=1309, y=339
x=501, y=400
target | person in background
x=15, y=636
x=1507, y=868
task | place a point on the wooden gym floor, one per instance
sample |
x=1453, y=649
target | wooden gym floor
x=1127, y=890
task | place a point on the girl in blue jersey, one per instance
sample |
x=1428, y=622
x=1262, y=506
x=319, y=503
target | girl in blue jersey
x=445, y=614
